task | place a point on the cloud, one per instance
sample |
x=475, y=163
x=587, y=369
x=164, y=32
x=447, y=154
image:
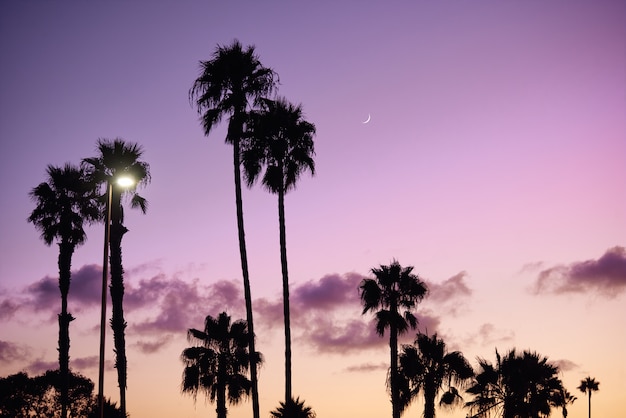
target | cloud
x=40, y=366
x=450, y=289
x=328, y=292
x=565, y=365
x=149, y=347
x=83, y=363
x=8, y=308
x=605, y=276
x=367, y=367
x=488, y=336
x=44, y=294
x=10, y=352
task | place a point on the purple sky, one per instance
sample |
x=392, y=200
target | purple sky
x=494, y=162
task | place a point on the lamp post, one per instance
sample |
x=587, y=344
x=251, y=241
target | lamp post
x=122, y=182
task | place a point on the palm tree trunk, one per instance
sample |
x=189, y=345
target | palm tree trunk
x=393, y=346
x=286, y=312
x=221, y=389
x=429, y=402
x=118, y=324
x=246, y=281
x=590, y=403
x=65, y=264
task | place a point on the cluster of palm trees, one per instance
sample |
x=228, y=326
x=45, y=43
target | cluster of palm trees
x=271, y=140
x=522, y=385
x=74, y=196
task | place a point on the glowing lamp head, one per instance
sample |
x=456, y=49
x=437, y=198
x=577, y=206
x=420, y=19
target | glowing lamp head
x=125, y=181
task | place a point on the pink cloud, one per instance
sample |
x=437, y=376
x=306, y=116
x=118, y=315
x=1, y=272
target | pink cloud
x=149, y=347
x=452, y=288
x=367, y=367
x=605, y=276
x=10, y=352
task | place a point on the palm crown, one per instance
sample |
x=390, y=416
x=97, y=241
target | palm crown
x=118, y=157
x=280, y=139
x=64, y=204
x=227, y=83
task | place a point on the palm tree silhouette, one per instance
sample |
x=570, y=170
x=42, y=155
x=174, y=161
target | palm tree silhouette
x=115, y=158
x=394, y=288
x=224, y=88
x=428, y=367
x=563, y=399
x=65, y=202
x=219, y=363
x=518, y=386
x=280, y=139
x=588, y=385
x=293, y=408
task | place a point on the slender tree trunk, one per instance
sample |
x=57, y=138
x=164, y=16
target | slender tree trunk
x=246, y=281
x=589, y=403
x=286, y=312
x=221, y=389
x=118, y=324
x=393, y=346
x=429, y=402
x=65, y=264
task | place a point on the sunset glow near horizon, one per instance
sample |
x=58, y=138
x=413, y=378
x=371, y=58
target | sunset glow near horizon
x=494, y=163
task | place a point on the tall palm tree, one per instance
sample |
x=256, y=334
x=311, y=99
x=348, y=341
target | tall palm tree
x=218, y=365
x=588, y=385
x=280, y=139
x=518, y=386
x=428, y=367
x=225, y=87
x=118, y=157
x=65, y=202
x=293, y=408
x=394, y=289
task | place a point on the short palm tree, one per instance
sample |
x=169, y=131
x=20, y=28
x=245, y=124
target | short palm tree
x=518, y=386
x=427, y=367
x=226, y=86
x=217, y=366
x=293, y=408
x=563, y=399
x=65, y=202
x=280, y=140
x=118, y=157
x=393, y=293
x=588, y=385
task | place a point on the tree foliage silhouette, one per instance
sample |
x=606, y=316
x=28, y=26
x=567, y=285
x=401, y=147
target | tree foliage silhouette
x=22, y=396
x=117, y=157
x=394, y=289
x=588, y=385
x=217, y=365
x=281, y=141
x=225, y=88
x=427, y=367
x=293, y=408
x=517, y=386
x=64, y=204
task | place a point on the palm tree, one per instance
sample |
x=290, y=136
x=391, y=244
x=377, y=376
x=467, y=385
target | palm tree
x=394, y=288
x=219, y=363
x=65, y=202
x=293, y=408
x=280, y=139
x=562, y=399
x=117, y=158
x=518, y=386
x=427, y=366
x=224, y=88
x=588, y=385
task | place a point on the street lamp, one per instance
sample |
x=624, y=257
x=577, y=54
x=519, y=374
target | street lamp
x=122, y=181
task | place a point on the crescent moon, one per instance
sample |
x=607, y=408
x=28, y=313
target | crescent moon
x=369, y=117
